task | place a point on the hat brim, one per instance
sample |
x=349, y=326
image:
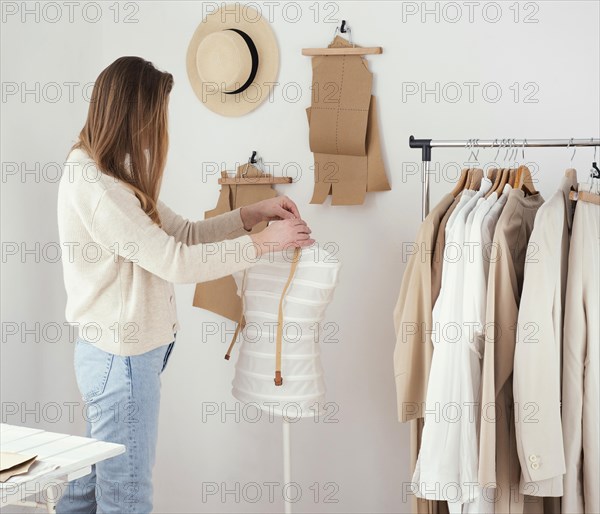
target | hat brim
x=236, y=16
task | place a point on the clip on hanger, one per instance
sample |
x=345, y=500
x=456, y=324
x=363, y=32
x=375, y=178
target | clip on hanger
x=351, y=50
x=587, y=196
x=595, y=171
x=261, y=178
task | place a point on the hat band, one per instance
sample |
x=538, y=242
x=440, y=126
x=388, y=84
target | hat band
x=254, y=55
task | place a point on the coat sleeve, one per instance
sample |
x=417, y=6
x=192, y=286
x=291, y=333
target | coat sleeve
x=413, y=350
x=536, y=374
x=574, y=357
x=209, y=230
x=120, y=225
x=487, y=436
x=500, y=318
x=413, y=319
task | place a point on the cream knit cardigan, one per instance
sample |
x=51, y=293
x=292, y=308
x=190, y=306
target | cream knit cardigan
x=119, y=265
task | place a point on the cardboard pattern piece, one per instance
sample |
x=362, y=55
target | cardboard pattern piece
x=12, y=464
x=220, y=295
x=343, y=129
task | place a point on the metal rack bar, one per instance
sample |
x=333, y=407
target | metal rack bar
x=427, y=144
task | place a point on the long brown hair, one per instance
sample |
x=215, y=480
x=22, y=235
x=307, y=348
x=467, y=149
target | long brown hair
x=127, y=119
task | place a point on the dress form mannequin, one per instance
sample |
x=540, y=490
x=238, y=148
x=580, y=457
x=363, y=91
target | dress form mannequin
x=310, y=290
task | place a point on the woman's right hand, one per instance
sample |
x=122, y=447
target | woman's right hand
x=283, y=234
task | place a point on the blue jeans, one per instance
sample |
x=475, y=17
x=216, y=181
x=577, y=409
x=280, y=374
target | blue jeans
x=122, y=397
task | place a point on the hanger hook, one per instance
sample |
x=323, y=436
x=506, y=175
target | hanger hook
x=498, y=151
x=574, y=149
x=516, y=150
x=569, y=144
x=471, y=145
x=344, y=29
x=260, y=164
x=254, y=161
x=474, y=142
x=508, y=147
x=595, y=148
x=523, y=149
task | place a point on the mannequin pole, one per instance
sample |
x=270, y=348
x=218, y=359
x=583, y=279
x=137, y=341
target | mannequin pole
x=287, y=462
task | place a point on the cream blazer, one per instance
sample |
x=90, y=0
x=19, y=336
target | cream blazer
x=581, y=357
x=538, y=352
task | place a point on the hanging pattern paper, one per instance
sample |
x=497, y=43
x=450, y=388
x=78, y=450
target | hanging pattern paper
x=343, y=129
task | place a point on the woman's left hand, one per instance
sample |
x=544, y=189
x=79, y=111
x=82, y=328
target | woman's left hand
x=278, y=208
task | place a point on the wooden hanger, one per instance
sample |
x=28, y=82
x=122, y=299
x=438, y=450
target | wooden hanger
x=265, y=178
x=494, y=174
x=504, y=178
x=462, y=182
x=468, y=178
x=524, y=181
x=248, y=174
x=517, y=178
x=355, y=50
x=476, y=176
x=348, y=50
x=584, y=196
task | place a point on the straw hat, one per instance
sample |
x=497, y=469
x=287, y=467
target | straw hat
x=232, y=60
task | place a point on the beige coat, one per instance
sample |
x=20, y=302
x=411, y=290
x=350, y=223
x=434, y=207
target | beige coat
x=412, y=319
x=414, y=349
x=498, y=460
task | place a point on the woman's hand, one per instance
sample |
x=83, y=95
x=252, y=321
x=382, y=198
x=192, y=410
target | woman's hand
x=278, y=208
x=283, y=234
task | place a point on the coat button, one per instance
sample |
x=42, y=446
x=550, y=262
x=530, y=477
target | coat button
x=535, y=465
x=533, y=458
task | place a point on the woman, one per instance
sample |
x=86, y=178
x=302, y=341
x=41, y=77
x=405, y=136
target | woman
x=125, y=249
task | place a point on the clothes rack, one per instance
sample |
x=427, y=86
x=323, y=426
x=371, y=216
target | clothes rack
x=427, y=144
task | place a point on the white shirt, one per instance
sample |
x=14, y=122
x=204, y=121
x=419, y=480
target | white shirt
x=473, y=318
x=478, y=240
x=444, y=469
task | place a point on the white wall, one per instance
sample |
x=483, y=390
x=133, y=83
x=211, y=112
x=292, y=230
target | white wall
x=365, y=453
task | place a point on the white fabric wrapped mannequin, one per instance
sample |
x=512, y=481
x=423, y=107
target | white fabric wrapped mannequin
x=311, y=284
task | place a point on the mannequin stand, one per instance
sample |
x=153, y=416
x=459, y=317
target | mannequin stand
x=287, y=463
